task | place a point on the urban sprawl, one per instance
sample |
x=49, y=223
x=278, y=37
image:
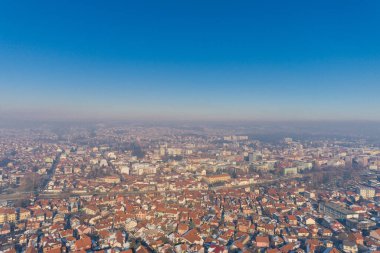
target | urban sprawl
x=183, y=189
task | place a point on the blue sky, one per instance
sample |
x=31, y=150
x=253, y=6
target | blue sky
x=207, y=60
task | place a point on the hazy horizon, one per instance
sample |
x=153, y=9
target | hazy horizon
x=369, y=130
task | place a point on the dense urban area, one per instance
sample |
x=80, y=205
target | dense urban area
x=139, y=188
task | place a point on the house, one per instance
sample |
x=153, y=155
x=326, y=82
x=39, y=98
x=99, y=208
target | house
x=82, y=244
x=91, y=210
x=142, y=249
x=331, y=250
x=192, y=237
x=292, y=220
x=39, y=215
x=287, y=248
x=52, y=248
x=302, y=232
x=5, y=229
x=276, y=241
x=50, y=245
x=24, y=214
x=83, y=229
x=3, y=216
x=349, y=246
x=7, y=215
x=182, y=228
x=273, y=251
x=375, y=234
x=356, y=237
x=217, y=249
x=309, y=221
x=325, y=232
x=312, y=245
x=262, y=241
x=31, y=249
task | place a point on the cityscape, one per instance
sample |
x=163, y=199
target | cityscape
x=187, y=126
x=136, y=188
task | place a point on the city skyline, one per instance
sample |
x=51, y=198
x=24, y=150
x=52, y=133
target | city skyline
x=190, y=61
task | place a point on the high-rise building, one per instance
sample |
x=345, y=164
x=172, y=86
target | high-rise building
x=366, y=192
